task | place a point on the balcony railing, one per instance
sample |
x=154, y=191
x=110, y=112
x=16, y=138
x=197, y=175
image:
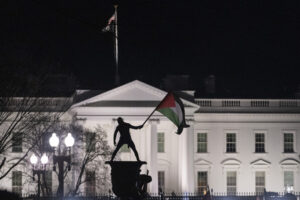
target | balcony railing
x=249, y=105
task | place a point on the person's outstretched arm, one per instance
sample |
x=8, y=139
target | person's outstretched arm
x=135, y=127
x=115, y=134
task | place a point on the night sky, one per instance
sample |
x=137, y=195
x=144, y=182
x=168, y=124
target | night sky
x=250, y=46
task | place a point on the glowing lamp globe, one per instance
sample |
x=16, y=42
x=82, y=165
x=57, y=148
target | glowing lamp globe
x=54, y=141
x=69, y=140
x=44, y=159
x=33, y=159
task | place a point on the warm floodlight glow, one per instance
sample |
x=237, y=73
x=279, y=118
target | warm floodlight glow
x=54, y=141
x=69, y=140
x=44, y=159
x=33, y=159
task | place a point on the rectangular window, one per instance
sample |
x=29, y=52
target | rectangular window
x=259, y=182
x=202, y=182
x=231, y=183
x=259, y=143
x=160, y=142
x=288, y=143
x=289, y=181
x=230, y=142
x=17, y=142
x=47, y=182
x=161, y=181
x=90, y=184
x=45, y=142
x=90, y=141
x=17, y=182
x=202, y=143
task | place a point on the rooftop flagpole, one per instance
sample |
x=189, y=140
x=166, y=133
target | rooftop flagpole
x=117, y=77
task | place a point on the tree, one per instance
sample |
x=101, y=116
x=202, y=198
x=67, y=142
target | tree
x=95, y=151
x=88, y=156
x=24, y=109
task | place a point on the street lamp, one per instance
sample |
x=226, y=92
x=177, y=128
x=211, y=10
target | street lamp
x=60, y=159
x=38, y=169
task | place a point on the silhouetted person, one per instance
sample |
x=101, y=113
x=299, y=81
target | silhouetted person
x=125, y=137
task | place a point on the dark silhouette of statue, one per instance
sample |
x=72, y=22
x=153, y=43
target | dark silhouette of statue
x=125, y=137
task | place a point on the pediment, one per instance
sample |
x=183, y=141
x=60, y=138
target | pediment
x=260, y=163
x=289, y=162
x=202, y=162
x=132, y=94
x=231, y=162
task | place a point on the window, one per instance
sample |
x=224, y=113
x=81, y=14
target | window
x=160, y=142
x=259, y=142
x=201, y=142
x=259, y=182
x=202, y=182
x=90, y=184
x=289, y=181
x=161, y=181
x=90, y=142
x=47, y=182
x=45, y=142
x=17, y=182
x=17, y=142
x=230, y=142
x=231, y=182
x=288, y=143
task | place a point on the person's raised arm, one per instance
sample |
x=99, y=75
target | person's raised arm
x=115, y=134
x=135, y=127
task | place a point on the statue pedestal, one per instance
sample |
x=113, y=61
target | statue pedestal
x=126, y=179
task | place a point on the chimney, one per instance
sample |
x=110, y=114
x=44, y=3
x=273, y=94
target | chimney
x=210, y=84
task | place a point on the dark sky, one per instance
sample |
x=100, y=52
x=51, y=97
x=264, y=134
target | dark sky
x=249, y=45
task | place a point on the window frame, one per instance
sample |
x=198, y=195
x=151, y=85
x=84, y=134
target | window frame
x=199, y=143
x=90, y=188
x=90, y=146
x=160, y=149
x=201, y=189
x=161, y=181
x=231, y=193
x=17, y=142
x=284, y=179
x=226, y=143
x=293, y=142
x=260, y=187
x=17, y=185
x=255, y=141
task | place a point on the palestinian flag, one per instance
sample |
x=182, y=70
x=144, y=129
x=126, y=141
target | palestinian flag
x=172, y=107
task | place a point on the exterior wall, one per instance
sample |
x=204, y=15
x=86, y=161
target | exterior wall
x=180, y=160
x=246, y=155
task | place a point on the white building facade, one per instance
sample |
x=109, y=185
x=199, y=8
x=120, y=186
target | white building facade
x=232, y=145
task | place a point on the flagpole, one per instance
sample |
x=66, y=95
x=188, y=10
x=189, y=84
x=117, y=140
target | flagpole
x=117, y=78
x=149, y=116
x=154, y=110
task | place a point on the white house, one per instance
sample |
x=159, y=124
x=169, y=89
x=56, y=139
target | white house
x=232, y=145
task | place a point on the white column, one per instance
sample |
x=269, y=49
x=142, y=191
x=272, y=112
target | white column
x=152, y=155
x=186, y=160
x=190, y=153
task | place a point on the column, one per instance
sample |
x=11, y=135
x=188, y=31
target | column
x=152, y=154
x=186, y=160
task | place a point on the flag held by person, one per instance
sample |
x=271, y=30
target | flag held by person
x=172, y=107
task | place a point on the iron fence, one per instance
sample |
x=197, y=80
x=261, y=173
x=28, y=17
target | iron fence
x=187, y=196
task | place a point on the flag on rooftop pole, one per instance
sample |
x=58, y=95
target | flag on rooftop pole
x=172, y=107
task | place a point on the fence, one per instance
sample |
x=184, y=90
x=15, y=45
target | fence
x=173, y=196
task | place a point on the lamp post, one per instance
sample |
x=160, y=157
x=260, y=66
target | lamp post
x=39, y=169
x=60, y=159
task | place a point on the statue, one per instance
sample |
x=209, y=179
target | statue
x=127, y=182
x=125, y=137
